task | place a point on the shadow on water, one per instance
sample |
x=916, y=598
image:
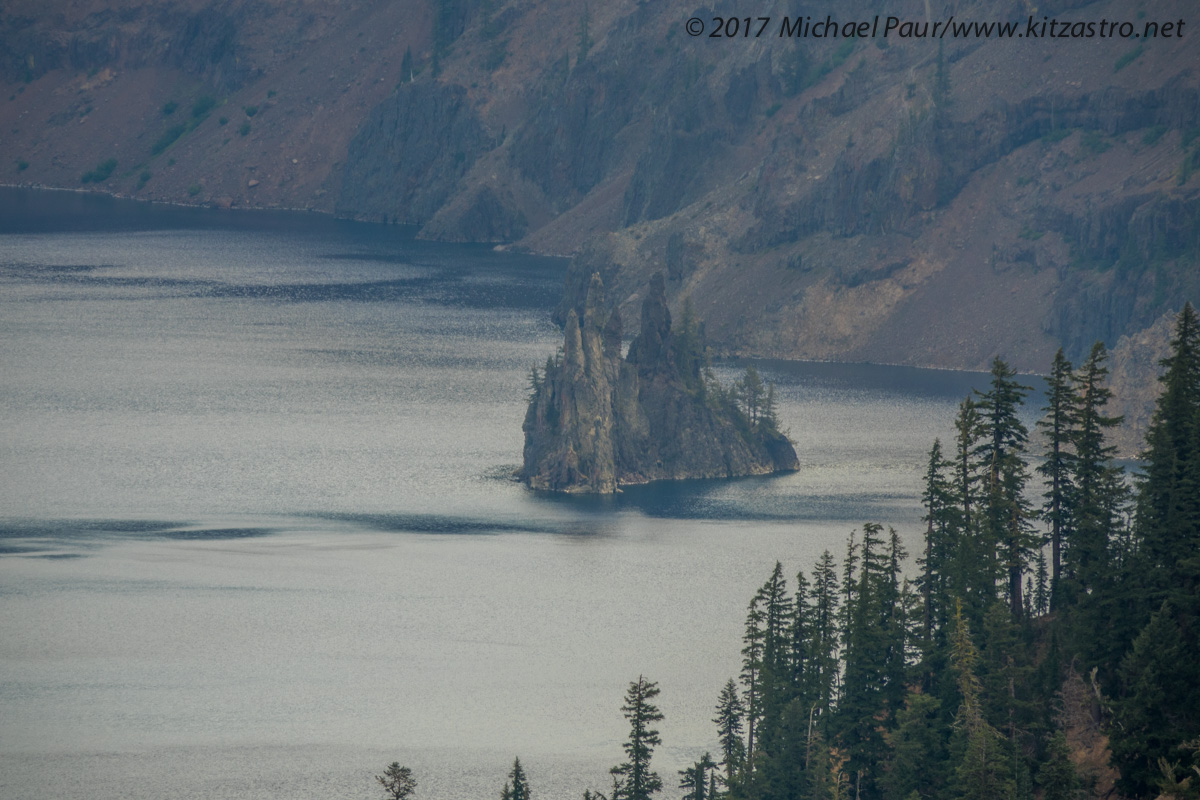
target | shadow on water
x=37, y=537
x=446, y=524
x=748, y=499
x=449, y=288
x=471, y=276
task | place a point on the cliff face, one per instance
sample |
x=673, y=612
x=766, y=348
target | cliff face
x=597, y=421
x=889, y=200
x=1134, y=370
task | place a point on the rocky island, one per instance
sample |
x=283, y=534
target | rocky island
x=597, y=421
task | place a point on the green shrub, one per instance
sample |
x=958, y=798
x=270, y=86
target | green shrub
x=250, y=110
x=22, y=165
x=245, y=129
x=1094, y=142
x=223, y=121
x=144, y=178
x=168, y=138
x=204, y=104
x=193, y=190
x=1056, y=135
x=101, y=172
x=169, y=108
x=1154, y=134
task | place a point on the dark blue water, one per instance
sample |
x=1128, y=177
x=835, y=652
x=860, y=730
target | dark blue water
x=259, y=533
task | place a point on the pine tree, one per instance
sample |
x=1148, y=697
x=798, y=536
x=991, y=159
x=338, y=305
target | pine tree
x=970, y=574
x=824, y=638
x=984, y=769
x=750, y=389
x=1169, y=502
x=729, y=732
x=775, y=671
x=397, y=781
x=752, y=665
x=1059, y=465
x=800, y=669
x=1041, y=587
x=1006, y=674
x=1159, y=711
x=918, y=749
x=517, y=786
x=1008, y=536
x=941, y=544
x=535, y=382
x=821, y=782
x=769, y=419
x=695, y=779
x=967, y=433
x=634, y=778
x=1057, y=776
x=1098, y=484
x=873, y=684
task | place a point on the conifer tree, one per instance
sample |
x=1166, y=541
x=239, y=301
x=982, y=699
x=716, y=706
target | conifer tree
x=1169, y=501
x=873, y=642
x=1041, y=586
x=1057, y=776
x=695, y=779
x=769, y=418
x=821, y=782
x=752, y=664
x=918, y=749
x=940, y=543
x=1008, y=537
x=824, y=647
x=517, y=786
x=775, y=671
x=1159, y=712
x=1058, y=467
x=752, y=393
x=800, y=670
x=397, y=781
x=729, y=732
x=634, y=779
x=1005, y=672
x=1098, y=490
x=970, y=572
x=984, y=769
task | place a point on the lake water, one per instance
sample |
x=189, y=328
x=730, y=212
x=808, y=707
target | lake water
x=259, y=536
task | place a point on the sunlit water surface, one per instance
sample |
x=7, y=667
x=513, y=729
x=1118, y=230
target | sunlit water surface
x=259, y=536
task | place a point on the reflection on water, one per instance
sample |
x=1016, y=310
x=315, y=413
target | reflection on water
x=259, y=534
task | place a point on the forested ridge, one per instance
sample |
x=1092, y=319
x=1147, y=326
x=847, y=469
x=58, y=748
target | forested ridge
x=1042, y=644
x=1032, y=627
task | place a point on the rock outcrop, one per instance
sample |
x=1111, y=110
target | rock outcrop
x=1134, y=369
x=598, y=421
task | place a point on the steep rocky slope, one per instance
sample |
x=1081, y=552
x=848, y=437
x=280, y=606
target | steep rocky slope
x=894, y=200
